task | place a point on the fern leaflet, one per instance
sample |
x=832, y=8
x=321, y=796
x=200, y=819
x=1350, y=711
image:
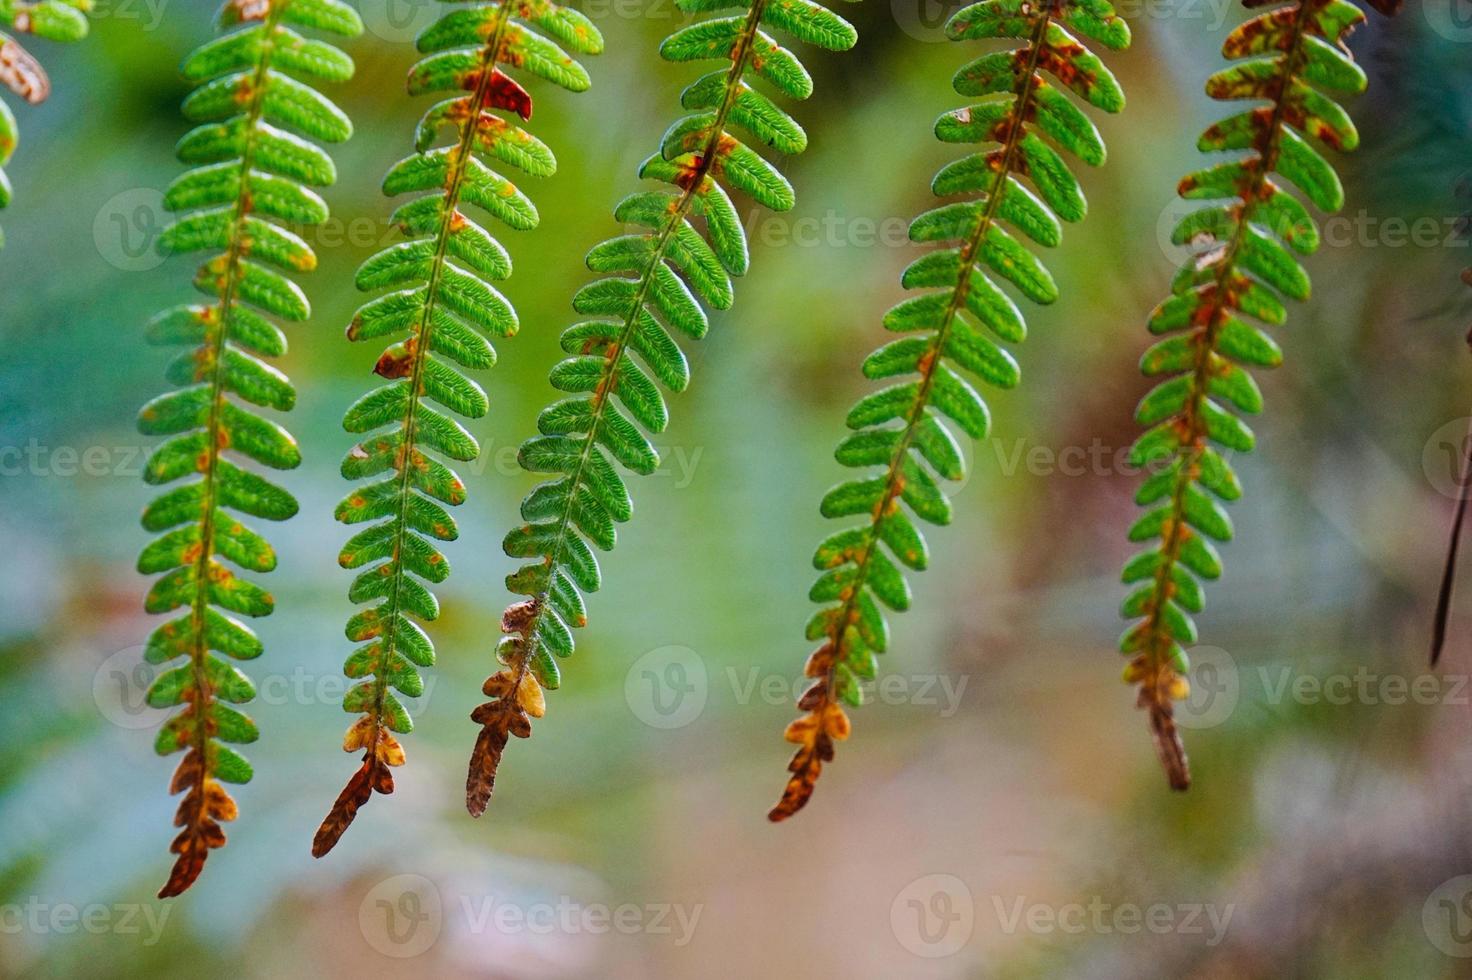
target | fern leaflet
x=612, y=395
x=253, y=169
x=1021, y=107
x=1284, y=58
x=443, y=300
x=54, y=20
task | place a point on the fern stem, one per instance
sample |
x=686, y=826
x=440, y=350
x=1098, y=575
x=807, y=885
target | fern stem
x=804, y=777
x=1155, y=686
x=419, y=345
x=190, y=863
x=478, y=798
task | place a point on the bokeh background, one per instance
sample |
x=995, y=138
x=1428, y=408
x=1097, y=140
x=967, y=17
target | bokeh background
x=999, y=812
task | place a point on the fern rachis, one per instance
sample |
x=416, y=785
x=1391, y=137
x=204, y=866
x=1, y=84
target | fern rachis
x=569, y=516
x=444, y=301
x=858, y=575
x=1288, y=54
x=249, y=179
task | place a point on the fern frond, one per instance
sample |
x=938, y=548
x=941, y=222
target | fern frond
x=253, y=167
x=861, y=565
x=654, y=282
x=54, y=20
x=1286, y=58
x=443, y=300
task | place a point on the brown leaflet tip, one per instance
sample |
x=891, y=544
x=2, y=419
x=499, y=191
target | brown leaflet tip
x=1169, y=747
x=186, y=872
x=359, y=790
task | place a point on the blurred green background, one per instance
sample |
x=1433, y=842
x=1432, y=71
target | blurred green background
x=1001, y=814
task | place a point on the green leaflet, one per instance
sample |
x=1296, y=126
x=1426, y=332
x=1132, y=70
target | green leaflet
x=1245, y=259
x=51, y=20
x=251, y=161
x=655, y=281
x=901, y=436
x=440, y=312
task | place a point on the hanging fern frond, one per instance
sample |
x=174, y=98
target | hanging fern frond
x=253, y=169
x=1286, y=58
x=653, y=279
x=53, y=20
x=443, y=304
x=899, y=437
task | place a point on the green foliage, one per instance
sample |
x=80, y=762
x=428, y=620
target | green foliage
x=54, y=20
x=441, y=302
x=1244, y=264
x=899, y=437
x=653, y=283
x=253, y=167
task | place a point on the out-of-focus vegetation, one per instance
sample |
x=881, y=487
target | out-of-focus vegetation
x=1005, y=756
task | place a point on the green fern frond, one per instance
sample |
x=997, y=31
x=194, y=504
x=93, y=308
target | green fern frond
x=54, y=20
x=443, y=300
x=621, y=355
x=1286, y=58
x=253, y=169
x=861, y=565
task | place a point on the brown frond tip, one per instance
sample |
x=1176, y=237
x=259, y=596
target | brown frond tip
x=1167, y=736
x=516, y=698
x=372, y=775
x=204, y=805
x=815, y=734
